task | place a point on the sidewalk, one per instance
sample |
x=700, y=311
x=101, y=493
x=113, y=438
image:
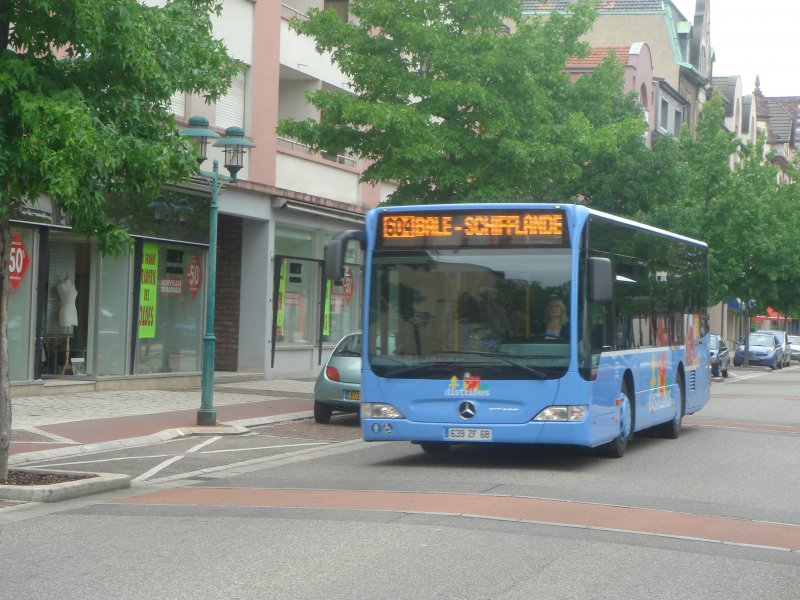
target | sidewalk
x=70, y=423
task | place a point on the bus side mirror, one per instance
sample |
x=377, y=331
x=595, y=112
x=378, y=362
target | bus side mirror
x=600, y=280
x=337, y=248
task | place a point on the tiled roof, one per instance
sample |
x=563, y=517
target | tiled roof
x=605, y=5
x=791, y=104
x=726, y=87
x=781, y=123
x=596, y=56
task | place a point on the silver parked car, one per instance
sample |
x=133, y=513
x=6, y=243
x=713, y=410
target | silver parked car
x=719, y=354
x=794, y=341
x=338, y=386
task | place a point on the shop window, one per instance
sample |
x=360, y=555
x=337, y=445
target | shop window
x=68, y=295
x=342, y=303
x=112, y=317
x=171, y=309
x=19, y=305
x=294, y=321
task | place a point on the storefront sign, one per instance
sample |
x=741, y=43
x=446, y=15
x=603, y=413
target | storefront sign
x=148, y=292
x=170, y=286
x=279, y=319
x=194, y=275
x=19, y=262
x=347, y=285
x=326, y=322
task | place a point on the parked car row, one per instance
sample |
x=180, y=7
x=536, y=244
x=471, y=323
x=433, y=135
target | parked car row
x=769, y=348
x=339, y=383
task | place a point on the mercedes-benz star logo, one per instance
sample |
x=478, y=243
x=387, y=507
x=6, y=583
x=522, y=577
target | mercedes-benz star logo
x=466, y=410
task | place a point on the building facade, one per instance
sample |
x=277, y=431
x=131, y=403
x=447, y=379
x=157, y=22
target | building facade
x=140, y=316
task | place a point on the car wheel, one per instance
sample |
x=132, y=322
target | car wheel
x=322, y=412
x=774, y=364
x=715, y=371
x=725, y=371
x=616, y=448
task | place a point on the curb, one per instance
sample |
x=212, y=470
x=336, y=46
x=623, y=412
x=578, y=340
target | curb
x=95, y=483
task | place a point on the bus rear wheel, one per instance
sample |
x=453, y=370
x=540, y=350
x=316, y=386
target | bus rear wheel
x=616, y=447
x=672, y=429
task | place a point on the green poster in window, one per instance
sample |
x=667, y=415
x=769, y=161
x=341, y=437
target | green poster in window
x=147, y=292
x=326, y=323
x=281, y=296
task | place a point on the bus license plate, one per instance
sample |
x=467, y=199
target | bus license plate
x=352, y=395
x=468, y=434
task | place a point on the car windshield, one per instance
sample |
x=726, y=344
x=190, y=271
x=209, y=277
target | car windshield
x=713, y=342
x=794, y=339
x=499, y=313
x=762, y=339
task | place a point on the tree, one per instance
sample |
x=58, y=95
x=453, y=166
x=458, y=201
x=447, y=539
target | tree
x=84, y=91
x=464, y=100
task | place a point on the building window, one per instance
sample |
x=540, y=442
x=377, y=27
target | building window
x=230, y=107
x=171, y=308
x=664, y=121
x=20, y=301
x=177, y=104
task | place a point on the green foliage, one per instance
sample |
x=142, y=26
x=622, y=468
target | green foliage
x=85, y=88
x=84, y=91
x=450, y=108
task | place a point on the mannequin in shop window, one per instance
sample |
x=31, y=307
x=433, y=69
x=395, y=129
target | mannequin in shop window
x=67, y=316
x=68, y=313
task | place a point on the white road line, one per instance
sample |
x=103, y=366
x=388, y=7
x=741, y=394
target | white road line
x=146, y=475
x=48, y=435
x=171, y=454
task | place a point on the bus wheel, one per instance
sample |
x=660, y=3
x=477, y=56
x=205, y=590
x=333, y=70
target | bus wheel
x=672, y=429
x=616, y=447
x=322, y=412
x=434, y=447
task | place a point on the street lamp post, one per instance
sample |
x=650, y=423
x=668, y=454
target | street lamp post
x=234, y=144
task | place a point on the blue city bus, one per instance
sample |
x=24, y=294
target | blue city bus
x=527, y=324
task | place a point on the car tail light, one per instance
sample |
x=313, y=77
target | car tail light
x=332, y=373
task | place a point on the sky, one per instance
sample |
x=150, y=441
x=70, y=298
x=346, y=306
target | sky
x=755, y=37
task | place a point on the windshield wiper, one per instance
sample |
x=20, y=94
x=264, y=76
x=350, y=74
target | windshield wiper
x=499, y=355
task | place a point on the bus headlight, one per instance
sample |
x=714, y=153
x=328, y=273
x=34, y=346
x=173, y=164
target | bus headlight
x=377, y=410
x=563, y=413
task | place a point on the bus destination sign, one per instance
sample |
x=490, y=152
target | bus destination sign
x=455, y=229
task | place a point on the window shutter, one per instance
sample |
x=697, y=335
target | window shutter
x=230, y=107
x=177, y=104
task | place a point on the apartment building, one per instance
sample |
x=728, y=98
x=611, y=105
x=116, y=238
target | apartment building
x=141, y=315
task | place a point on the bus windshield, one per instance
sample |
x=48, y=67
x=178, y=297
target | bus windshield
x=497, y=313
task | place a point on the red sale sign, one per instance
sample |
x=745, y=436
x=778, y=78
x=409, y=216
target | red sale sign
x=19, y=261
x=348, y=284
x=194, y=275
